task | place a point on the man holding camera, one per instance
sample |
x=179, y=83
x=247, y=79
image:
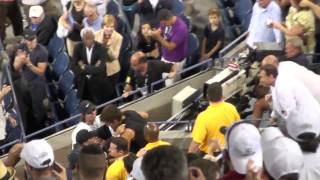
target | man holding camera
x=31, y=61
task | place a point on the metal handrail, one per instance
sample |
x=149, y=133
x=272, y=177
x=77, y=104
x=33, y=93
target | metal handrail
x=233, y=43
x=118, y=99
x=14, y=97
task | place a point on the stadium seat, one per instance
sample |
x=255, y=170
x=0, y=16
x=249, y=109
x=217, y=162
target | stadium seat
x=66, y=82
x=60, y=64
x=55, y=46
x=193, y=44
x=71, y=104
x=230, y=32
x=243, y=11
x=113, y=8
x=177, y=7
x=225, y=17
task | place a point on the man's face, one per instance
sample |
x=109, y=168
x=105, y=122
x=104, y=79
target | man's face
x=136, y=65
x=31, y=43
x=263, y=3
x=266, y=80
x=167, y=22
x=88, y=39
x=89, y=118
x=90, y=13
x=36, y=20
x=291, y=50
x=113, y=151
x=114, y=124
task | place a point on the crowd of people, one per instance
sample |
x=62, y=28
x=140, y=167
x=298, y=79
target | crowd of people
x=122, y=144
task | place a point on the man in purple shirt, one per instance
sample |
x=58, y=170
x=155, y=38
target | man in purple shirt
x=173, y=37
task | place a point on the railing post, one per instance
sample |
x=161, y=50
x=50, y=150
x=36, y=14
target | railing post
x=16, y=104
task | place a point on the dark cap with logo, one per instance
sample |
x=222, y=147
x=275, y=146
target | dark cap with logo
x=86, y=107
x=29, y=35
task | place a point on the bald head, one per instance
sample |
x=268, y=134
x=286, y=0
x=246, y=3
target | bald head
x=136, y=57
x=151, y=132
x=138, y=61
x=270, y=59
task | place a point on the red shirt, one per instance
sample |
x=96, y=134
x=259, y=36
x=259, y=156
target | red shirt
x=233, y=175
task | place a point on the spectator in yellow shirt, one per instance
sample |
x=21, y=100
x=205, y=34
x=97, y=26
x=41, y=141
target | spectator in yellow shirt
x=208, y=123
x=118, y=149
x=151, y=134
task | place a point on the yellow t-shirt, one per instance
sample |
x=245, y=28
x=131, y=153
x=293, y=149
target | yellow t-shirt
x=209, y=122
x=150, y=146
x=117, y=171
x=306, y=19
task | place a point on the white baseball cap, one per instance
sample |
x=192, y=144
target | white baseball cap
x=270, y=133
x=35, y=11
x=38, y=154
x=243, y=144
x=282, y=156
x=298, y=126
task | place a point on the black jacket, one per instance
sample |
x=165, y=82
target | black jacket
x=148, y=14
x=93, y=77
x=46, y=30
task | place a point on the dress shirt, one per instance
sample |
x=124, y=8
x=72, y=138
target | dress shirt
x=259, y=31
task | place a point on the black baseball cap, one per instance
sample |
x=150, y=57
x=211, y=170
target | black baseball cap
x=86, y=107
x=84, y=135
x=29, y=35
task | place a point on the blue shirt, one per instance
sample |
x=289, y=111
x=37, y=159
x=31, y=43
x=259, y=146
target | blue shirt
x=96, y=25
x=259, y=31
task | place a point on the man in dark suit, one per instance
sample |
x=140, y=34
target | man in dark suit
x=89, y=66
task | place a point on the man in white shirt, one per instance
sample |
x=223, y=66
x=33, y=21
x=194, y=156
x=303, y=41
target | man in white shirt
x=291, y=100
x=263, y=13
x=88, y=119
x=291, y=69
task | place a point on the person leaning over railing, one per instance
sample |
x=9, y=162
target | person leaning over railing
x=144, y=72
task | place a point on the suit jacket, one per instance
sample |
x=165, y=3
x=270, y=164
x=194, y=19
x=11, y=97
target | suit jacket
x=45, y=30
x=94, y=74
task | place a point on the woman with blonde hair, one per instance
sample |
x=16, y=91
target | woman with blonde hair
x=299, y=22
x=112, y=41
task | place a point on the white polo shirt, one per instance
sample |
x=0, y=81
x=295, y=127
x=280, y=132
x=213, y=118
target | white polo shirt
x=310, y=79
x=311, y=167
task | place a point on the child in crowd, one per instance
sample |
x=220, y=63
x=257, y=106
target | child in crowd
x=213, y=36
x=151, y=134
x=146, y=44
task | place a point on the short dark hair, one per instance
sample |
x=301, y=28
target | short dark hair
x=110, y=113
x=164, y=15
x=208, y=168
x=309, y=142
x=213, y=11
x=92, y=162
x=164, y=162
x=270, y=70
x=214, y=92
x=121, y=143
x=128, y=161
x=291, y=176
